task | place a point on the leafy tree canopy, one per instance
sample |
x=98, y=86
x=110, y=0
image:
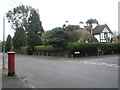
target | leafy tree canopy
x=25, y=20
x=80, y=36
x=89, y=22
x=71, y=28
x=8, y=44
x=35, y=29
x=19, y=38
x=57, y=37
x=18, y=17
x=34, y=22
x=44, y=37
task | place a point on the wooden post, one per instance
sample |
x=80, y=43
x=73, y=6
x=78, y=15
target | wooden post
x=47, y=53
x=52, y=53
x=66, y=56
x=112, y=51
x=71, y=55
x=42, y=53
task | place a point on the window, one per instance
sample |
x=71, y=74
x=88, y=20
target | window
x=105, y=35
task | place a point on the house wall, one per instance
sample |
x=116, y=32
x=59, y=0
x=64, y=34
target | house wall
x=97, y=37
x=103, y=35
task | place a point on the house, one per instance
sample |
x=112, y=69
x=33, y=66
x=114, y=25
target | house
x=101, y=32
x=82, y=35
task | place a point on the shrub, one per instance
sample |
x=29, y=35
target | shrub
x=25, y=50
x=47, y=48
x=44, y=37
x=80, y=46
x=84, y=48
x=89, y=48
x=58, y=37
x=92, y=48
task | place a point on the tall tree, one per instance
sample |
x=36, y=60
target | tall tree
x=18, y=17
x=19, y=38
x=8, y=44
x=26, y=22
x=35, y=29
x=89, y=22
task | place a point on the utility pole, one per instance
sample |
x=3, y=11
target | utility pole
x=3, y=61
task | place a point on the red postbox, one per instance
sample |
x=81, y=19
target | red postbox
x=11, y=63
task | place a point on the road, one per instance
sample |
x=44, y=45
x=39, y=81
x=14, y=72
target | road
x=55, y=72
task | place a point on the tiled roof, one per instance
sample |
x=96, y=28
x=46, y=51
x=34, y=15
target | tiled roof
x=98, y=29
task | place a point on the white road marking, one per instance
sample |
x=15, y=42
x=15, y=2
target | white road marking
x=100, y=63
x=70, y=61
x=92, y=62
x=96, y=63
x=116, y=66
x=86, y=62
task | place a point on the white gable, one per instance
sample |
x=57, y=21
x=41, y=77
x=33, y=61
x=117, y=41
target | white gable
x=97, y=37
x=104, y=36
x=105, y=30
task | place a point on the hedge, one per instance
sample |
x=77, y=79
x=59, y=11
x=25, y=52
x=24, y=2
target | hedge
x=48, y=48
x=93, y=48
x=25, y=50
x=89, y=48
x=76, y=46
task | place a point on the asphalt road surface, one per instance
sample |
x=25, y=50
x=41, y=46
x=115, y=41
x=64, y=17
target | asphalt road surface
x=54, y=72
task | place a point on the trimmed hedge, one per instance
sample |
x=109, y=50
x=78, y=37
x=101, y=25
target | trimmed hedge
x=80, y=46
x=48, y=48
x=25, y=50
x=110, y=48
x=76, y=46
x=95, y=48
x=86, y=49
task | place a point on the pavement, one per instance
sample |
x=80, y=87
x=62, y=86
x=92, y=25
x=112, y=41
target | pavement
x=11, y=81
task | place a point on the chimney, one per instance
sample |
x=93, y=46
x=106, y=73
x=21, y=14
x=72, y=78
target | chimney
x=66, y=23
x=81, y=24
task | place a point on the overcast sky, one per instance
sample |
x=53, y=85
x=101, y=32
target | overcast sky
x=54, y=13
